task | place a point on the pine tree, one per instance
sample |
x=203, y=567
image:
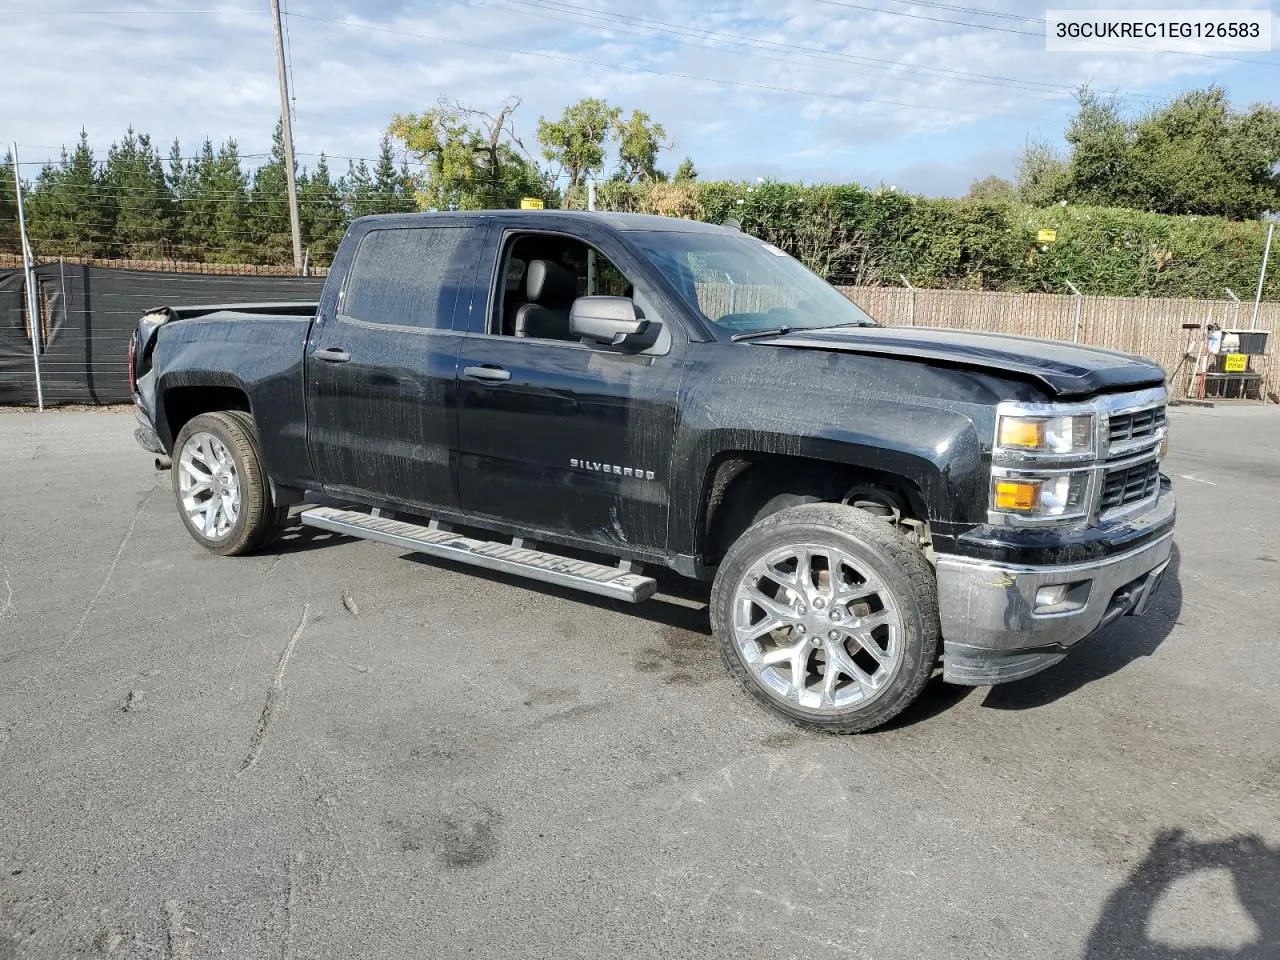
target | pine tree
x=141, y=204
x=214, y=201
x=392, y=189
x=10, y=235
x=321, y=213
x=68, y=213
x=357, y=189
x=269, y=230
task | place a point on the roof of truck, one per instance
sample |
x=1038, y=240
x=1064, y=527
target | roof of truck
x=618, y=221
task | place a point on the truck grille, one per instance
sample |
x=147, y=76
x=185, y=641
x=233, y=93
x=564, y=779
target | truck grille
x=1135, y=426
x=1127, y=485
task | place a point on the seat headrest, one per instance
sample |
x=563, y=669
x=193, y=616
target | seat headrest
x=550, y=283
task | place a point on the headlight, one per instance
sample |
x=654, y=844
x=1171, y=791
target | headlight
x=1046, y=435
x=1050, y=497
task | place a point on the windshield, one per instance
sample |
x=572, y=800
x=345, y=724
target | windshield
x=744, y=285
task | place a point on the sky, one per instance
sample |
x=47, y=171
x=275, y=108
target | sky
x=921, y=95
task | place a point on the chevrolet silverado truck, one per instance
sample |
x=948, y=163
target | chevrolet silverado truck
x=582, y=398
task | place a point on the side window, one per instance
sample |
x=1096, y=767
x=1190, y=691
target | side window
x=544, y=274
x=407, y=277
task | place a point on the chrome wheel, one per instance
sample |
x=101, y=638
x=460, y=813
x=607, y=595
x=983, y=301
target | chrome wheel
x=817, y=628
x=208, y=486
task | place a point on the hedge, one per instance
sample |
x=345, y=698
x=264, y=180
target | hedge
x=852, y=235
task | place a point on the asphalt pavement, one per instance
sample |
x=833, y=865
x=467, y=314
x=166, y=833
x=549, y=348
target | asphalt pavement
x=340, y=750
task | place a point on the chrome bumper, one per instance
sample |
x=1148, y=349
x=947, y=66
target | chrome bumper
x=995, y=628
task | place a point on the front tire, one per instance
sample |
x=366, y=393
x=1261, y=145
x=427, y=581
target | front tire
x=221, y=488
x=828, y=616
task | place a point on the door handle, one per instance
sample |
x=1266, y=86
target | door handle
x=332, y=355
x=487, y=372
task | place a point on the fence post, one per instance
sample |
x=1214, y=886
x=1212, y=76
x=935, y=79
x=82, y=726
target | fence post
x=912, y=317
x=1079, y=307
x=1257, y=297
x=29, y=279
x=1236, y=300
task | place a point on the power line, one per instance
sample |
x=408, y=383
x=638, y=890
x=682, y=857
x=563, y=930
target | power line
x=998, y=14
x=820, y=94
x=1026, y=33
x=126, y=13
x=678, y=33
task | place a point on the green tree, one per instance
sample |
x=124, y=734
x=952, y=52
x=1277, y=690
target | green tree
x=471, y=159
x=576, y=142
x=990, y=188
x=639, y=140
x=68, y=213
x=269, y=228
x=320, y=211
x=213, y=203
x=392, y=186
x=10, y=235
x=140, y=205
x=686, y=172
x=1101, y=171
x=1042, y=176
x=387, y=189
x=1194, y=155
x=1198, y=155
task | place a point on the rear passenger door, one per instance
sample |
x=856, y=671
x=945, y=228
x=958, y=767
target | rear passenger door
x=381, y=370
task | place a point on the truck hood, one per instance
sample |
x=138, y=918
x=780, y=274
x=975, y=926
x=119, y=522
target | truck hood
x=1065, y=369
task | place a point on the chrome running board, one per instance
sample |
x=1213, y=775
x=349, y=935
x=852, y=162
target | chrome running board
x=438, y=541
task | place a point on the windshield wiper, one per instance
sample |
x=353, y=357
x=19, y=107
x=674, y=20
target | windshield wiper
x=755, y=334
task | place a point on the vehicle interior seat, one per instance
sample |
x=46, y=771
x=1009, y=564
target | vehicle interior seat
x=551, y=290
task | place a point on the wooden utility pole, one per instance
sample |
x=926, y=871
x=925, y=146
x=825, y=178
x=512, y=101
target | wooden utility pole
x=287, y=128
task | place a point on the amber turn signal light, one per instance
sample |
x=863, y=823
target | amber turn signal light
x=1022, y=496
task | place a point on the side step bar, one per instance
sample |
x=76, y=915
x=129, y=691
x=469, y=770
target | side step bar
x=605, y=581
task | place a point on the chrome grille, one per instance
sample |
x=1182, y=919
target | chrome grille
x=1123, y=427
x=1123, y=486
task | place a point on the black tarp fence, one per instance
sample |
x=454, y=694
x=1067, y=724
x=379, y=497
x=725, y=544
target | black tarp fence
x=87, y=315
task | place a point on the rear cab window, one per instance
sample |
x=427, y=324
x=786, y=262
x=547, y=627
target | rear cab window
x=409, y=276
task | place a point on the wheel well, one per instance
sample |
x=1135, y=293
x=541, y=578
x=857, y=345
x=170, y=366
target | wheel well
x=180, y=404
x=740, y=485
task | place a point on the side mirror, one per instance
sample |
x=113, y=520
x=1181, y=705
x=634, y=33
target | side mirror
x=616, y=321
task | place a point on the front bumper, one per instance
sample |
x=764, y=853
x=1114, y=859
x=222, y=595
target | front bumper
x=994, y=629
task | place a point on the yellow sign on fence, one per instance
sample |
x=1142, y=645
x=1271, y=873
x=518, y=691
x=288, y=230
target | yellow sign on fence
x=1046, y=235
x=1236, y=363
x=531, y=203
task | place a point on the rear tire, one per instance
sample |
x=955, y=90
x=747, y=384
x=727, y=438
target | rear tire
x=828, y=616
x=222, y=491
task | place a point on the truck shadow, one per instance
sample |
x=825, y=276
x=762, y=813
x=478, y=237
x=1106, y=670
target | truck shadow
x=679, y=603
x=1124, y=929
x=297, y=538
x=1108, y=652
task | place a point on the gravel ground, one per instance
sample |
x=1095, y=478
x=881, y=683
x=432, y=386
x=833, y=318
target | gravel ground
x=341, y=750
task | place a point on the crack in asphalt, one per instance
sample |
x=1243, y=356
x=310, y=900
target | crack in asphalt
x=274, y=693
x=106, y=581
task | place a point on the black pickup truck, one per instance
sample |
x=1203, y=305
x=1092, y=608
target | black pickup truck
x=579, y=397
